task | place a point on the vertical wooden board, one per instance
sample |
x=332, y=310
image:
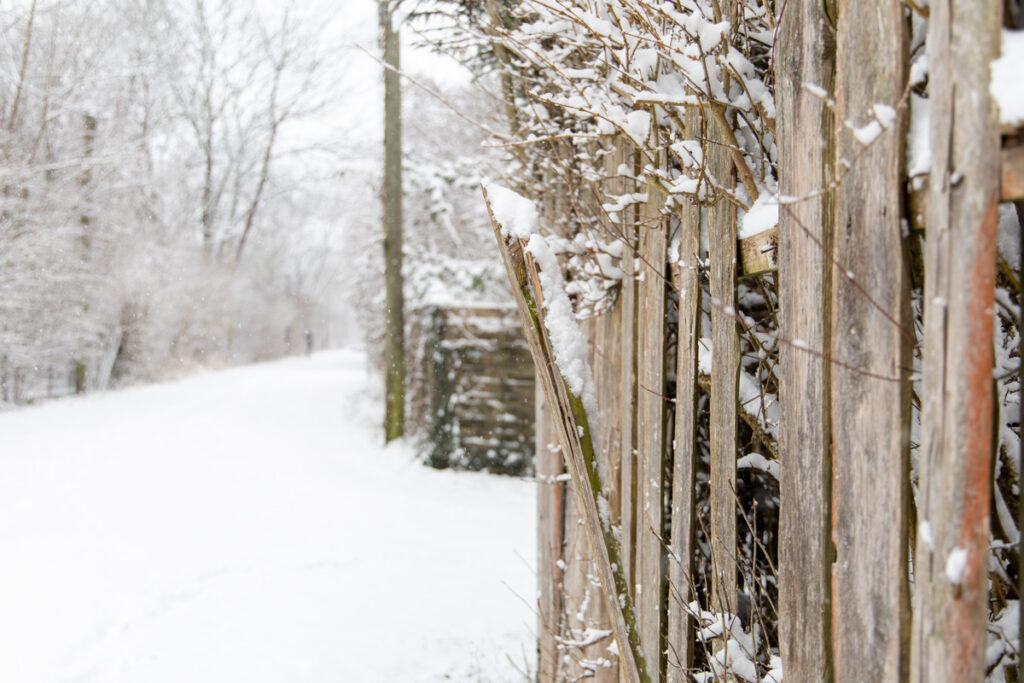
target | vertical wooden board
x=553, y=209
x=957, y=397
x=574, y=435
x=587, y=613
x=627, y=382
x=628, y=417
x=804, y=53
x=603, y=334
x=550, y=519
x=610, y=332
x=724, y=381
x=608, y=352
x=575, y=555
x=583, y=608
x=650, y=423
x=871, y=333
x=686, y=278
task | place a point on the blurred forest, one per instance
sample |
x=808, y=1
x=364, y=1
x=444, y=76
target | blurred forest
x=196, y=183
x=157, y=212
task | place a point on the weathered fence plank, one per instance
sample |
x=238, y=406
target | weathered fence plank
x=577, y=448
x=871, y=333
x=585, y=612
x=951, y=568
x=615, y=334
x=650, y=575
x=686, y=278
x=608, y=338
x=804, y=53
x=550, y=529
x=620, y=161
x=725, y=362
x=586, y=630
x=627, y=409
x=1012, y=173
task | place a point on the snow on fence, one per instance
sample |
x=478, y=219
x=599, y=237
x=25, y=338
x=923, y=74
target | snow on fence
x=471, y=389
x=800, y=434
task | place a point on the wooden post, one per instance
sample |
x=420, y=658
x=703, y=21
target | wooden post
x=684, y=464
x=550, y=530
x=583, y=609
x=584, y=612
x=951, y=568
x=607, y=352
x=627, y=385
x=612, y=331
x=804, y=53
x=625, y=156
x=871, y=333
x=650, y=576
x=725, y=359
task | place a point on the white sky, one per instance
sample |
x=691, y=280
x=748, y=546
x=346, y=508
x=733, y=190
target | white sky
x=353, y=122
x=351, y=25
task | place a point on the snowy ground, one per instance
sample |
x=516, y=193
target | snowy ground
x=248, y=526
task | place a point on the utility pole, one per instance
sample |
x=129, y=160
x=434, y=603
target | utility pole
x=394, y=350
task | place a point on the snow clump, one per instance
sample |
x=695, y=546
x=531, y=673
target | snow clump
x=516, y=214
x=1005, y=85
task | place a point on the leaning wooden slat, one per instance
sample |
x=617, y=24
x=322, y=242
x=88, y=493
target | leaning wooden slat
x=803, y=55
x=650, y=577
x=950, y=606
x=680, y=564
x=871, y=333
x=574, y=435
x=724, y=380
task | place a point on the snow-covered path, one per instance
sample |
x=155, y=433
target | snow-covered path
x=248, y=526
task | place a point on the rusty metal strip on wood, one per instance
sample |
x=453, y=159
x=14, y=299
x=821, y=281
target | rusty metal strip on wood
x=950, y=608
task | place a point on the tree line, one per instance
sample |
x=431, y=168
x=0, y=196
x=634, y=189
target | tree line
x=160, y=208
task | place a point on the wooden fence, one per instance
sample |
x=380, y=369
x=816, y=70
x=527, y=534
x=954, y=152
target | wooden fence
x=471, y=388
x=725, y=390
